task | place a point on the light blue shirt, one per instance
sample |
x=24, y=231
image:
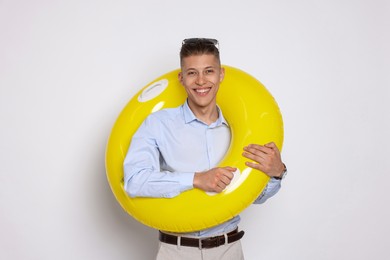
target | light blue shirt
x=166, y=151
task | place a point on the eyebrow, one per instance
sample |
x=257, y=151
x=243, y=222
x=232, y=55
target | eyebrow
x=208, y=67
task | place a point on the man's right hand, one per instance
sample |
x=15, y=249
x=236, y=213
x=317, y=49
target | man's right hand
x=214, y=180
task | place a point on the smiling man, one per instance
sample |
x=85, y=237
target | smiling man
x=177, y=149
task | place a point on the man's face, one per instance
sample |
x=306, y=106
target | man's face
x=201, y=75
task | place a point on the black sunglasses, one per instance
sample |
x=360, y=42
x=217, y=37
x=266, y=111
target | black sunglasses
x=193, y=41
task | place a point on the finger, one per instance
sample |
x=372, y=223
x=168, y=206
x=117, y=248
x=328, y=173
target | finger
x=218, y=189
x=273, y=146
x=273, y=151
x=231, y=169
x=253, y=146
x=219, y=185
x=257, y=149
x=254, y=166
x=254, y=157
x=225, y=180
x=228, y=174
x=270, y=145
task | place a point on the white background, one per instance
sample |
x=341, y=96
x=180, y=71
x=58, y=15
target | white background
x=67, y=68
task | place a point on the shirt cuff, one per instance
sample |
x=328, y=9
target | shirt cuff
x=270, y=190
x=186, y=180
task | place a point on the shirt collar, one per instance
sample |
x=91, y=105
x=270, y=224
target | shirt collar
x=189, y=116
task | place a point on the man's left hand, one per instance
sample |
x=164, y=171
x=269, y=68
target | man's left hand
x=266, y=158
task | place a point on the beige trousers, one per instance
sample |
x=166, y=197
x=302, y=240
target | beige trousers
x=232, y=251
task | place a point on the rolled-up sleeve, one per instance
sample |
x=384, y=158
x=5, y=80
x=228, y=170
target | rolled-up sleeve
x=270, y=190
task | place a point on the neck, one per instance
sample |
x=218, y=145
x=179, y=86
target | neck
x=207, y=114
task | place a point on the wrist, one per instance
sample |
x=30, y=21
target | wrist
x=196, y=181
x=282, y=174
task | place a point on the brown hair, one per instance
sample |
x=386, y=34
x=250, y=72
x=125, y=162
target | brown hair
x=199, y=46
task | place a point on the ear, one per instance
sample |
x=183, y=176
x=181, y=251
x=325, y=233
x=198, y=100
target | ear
x=180, y=77
x=221, y=74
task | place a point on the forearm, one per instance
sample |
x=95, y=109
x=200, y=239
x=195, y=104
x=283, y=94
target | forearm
x=148, y=183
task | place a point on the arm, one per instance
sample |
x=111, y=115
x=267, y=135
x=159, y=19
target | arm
x=142, y=174
x=267, y=159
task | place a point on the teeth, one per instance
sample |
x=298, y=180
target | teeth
x=203, y=90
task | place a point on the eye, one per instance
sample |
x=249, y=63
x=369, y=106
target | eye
x=209, y=71
x=191, y=73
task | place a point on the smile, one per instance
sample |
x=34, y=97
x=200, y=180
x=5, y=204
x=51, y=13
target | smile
x=202, y=91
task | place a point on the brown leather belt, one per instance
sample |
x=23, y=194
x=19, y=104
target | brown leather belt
x=208, y=242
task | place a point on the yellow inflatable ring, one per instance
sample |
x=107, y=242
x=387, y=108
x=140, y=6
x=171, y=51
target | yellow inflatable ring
x=253, y=116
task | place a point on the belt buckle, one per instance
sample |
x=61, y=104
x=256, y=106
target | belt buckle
x=215, y=242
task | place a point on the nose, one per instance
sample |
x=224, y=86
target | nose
x=200, y=79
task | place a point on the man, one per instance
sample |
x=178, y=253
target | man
x=176, y=149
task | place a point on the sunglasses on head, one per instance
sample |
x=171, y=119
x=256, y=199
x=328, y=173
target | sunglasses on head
x=193, y=41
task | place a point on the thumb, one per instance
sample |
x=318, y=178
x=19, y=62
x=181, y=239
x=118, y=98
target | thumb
x=270, y=145
x=232, y=169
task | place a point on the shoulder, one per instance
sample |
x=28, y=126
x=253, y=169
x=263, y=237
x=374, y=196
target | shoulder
x=164, y=115
x=161, y=122
x=167, y=113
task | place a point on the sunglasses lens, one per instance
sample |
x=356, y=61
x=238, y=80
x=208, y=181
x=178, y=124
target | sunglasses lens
x=192, y=41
